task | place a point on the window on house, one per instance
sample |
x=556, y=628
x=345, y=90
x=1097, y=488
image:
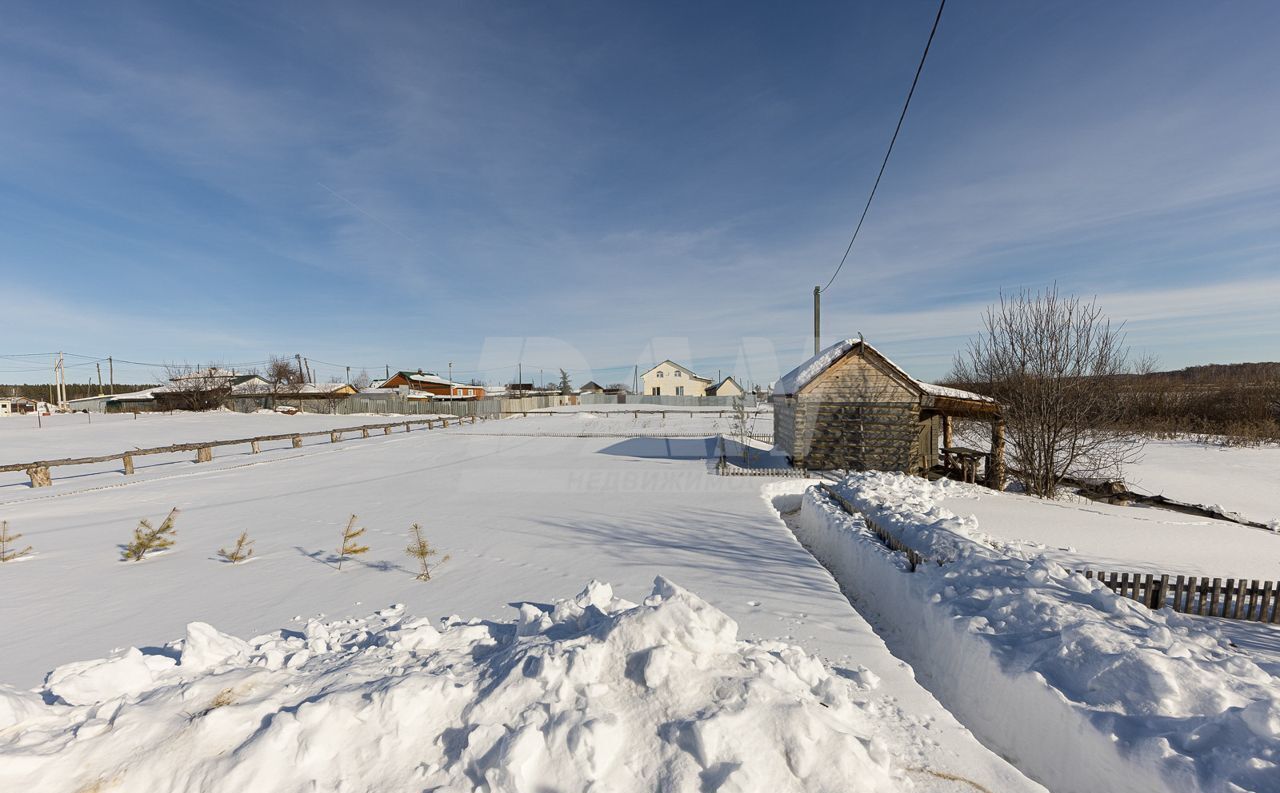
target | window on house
x=660, y=374
x=657, y=391
x=677, y=373
x=679, y=390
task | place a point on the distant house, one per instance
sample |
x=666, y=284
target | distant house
x=851, y=407
x=671, y=379
x=206, y=389
x=726, y=387
x=591, y=387
x=316, y=391
x=421, y=382
x=16, y=406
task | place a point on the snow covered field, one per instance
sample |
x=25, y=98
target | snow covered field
x=1082, y=534
x=526, y=520
x=82, y=434
x=1243, y=480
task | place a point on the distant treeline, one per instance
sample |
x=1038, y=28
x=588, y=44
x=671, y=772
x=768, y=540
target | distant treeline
x=44, y=392
x=1240, y=401
x=1236, y=403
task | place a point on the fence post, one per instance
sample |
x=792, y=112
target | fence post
x=204, y=454
x=39, y=476
x=386, y=430
x=254, y=448
x=364, y=432
x=297, y=441
x=1162, y=592
x=128, y=465
x=335, y=436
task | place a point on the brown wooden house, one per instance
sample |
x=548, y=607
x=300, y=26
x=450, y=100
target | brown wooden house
x=851, y=407
x=429, y=383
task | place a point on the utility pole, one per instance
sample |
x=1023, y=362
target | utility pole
x=308, y=365
x=817, y=319
x=60, y=378
x=99, y=367
x=450, y=371
x=388, y=372
x=348, y=375
x=302, y=375
x=635, y=379
x=519, y=373
x=111, y=371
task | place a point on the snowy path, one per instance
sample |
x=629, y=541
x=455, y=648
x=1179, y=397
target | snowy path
x=523, y=518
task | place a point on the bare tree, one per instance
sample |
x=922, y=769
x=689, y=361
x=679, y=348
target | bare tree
x=1055, y=363
x=362, y=380
x=281, y=371
x=191, y=388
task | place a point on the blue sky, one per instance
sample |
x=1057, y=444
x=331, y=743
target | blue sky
x=600, y=185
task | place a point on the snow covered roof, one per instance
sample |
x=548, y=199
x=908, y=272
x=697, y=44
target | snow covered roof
x=794, y=381
x=430, y=378
x=317, y=388
x=720, y=384
x=422, y=377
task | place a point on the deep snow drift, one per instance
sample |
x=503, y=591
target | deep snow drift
x=1085, y=689
x=594, y=693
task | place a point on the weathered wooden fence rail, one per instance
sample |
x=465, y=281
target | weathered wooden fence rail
x=1238, y=599
x=41, y=476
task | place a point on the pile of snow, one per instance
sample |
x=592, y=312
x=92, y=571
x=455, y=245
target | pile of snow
x=1086, y=689
x=593, y=693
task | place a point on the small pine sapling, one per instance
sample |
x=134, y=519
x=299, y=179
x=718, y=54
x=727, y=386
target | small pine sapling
x=349, y=545
x=421, y=550
x=8, y=542
x=243, y=549
x=147, y=539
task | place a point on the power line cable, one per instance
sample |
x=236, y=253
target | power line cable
x=889, y=151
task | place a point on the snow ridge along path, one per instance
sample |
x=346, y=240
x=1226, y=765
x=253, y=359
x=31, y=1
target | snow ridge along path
x=594, y=693
x=1082, y=688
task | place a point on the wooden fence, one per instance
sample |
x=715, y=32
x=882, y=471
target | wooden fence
x=1237, y=599
x=39, y=470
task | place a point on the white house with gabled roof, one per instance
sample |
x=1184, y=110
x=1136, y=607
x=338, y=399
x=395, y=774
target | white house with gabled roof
x=671, y=379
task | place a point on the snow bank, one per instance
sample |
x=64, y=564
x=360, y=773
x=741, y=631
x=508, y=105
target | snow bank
x=1081, y=688
x=593, y=693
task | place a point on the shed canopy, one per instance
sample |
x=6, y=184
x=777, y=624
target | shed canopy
x=797, y=379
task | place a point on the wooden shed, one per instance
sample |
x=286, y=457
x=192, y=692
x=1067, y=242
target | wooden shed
x=851, y=407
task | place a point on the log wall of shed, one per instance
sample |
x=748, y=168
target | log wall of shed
x=856, y=416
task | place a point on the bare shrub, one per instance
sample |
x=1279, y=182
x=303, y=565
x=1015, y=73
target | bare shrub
x=1055, y=364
